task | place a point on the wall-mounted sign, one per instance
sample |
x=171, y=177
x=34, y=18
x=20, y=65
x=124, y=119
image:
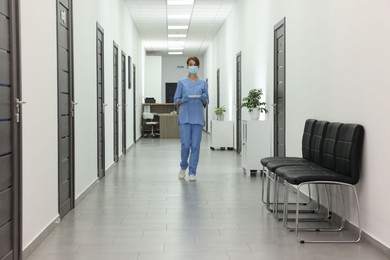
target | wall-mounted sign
x=180, y=66
x=63, y=16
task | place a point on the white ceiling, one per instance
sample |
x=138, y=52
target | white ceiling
x=206, y=18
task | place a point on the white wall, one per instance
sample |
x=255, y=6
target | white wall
x=336, y=71
x=39, y=82
x=118, y=28
x=39, y=87
x=153, y=77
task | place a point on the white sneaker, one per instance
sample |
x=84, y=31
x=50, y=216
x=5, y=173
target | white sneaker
x=192, y=178
x=182, y=174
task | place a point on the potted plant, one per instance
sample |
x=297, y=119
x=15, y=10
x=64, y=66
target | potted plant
x=253, y=104
x=219, y=111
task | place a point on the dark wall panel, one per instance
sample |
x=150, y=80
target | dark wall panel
x=5, y=206
x=5, y=137
x=5, y=173
x=4, y=30
x=64, y=150
x=4, y=7
x=64, y=126
x=65, y=170
x=62, y=37
x=5, y=106
x=64, y=81
x=63, y=59
x=4, y=68
x=64, y=104
x=5, y=239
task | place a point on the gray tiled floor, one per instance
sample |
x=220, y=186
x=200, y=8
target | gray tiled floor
x=142, y=211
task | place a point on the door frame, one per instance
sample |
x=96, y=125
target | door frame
x=115, y=107
x=124, y=102
x=101, y=175
x=218, y=88
x=279, y=25
x=17, y=128
x=71, y=110
x=134, y=105
x=238, y=103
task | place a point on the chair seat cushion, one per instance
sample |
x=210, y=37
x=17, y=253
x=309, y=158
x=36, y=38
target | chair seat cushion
x=266, y=160
x=297, y=177
x=281, y=170
x=273, y=165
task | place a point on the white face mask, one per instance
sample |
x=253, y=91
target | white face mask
x=193, y=69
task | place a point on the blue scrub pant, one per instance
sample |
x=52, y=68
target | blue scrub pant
x=190, y=137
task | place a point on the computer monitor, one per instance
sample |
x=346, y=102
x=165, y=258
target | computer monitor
x=150, y=100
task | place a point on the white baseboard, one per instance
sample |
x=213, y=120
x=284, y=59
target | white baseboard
x=39, y=239
x=86, y=192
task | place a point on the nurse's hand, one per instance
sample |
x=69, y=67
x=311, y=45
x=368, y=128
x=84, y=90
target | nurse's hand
x=185, y=99
x=203, y=98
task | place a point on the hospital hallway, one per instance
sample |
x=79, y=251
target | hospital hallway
x=141, y=211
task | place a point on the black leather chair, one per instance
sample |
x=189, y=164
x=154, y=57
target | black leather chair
x=340, y=165
x=322, y=151
x=311, y=156
x=306, y=142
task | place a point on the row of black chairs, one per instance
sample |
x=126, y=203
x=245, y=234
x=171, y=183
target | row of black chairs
x=331, y=156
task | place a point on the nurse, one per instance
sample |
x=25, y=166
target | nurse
x=192, y=97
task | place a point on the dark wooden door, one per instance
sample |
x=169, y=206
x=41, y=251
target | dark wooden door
x=218, y=88
x=116, y=102
x=100, y=100
x=134, y=106
x=10, y=133
x=170, y=89
x=65, y=107
x=124, y=105
x=238, y=104
x=280, y=88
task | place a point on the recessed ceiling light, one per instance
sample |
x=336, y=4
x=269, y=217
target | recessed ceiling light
x=177, y=35
x=180, y=2
x=175, y=52
x=177, y=27
x=179, y=16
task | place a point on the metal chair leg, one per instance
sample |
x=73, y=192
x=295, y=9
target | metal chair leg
x=297, y=229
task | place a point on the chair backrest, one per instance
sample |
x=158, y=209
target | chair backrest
x=317, y=141
x=306, y=139
x=329, y=146
x=148, y=115
x=348, y=153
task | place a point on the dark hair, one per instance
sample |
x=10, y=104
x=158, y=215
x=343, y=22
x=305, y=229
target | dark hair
x=194, y=59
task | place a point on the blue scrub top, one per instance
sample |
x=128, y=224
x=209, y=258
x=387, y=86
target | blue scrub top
x=191, y=112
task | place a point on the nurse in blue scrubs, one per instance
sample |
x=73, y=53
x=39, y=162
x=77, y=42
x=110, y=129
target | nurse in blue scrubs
x=192, y=97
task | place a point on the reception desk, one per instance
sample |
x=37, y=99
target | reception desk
x=167, y=123
x=168, y=126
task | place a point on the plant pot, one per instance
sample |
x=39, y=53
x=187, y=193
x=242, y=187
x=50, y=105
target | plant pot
x=255, y=114
x=220, y=117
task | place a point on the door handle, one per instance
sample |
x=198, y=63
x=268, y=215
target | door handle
x=18, y=103
x=73, y=105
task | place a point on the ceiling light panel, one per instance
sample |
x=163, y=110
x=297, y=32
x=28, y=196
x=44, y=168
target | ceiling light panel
x=177, y=27
x=180, y=2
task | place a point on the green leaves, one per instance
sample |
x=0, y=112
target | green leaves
x=220, y=110
x=252, y=101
